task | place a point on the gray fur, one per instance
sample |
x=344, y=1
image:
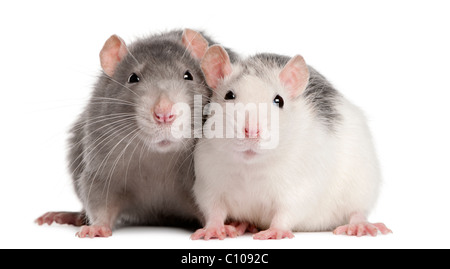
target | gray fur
x=114, y=167
x=320, y=94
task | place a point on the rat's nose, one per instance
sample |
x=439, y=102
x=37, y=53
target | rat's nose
x=162, y=112
x=251, y=132
x=164, y=117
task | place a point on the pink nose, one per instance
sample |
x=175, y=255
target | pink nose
x=162, y=111
x=251, y=132
x=167, y=117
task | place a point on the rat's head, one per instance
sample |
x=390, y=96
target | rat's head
x=264, y=90
x=155, y=79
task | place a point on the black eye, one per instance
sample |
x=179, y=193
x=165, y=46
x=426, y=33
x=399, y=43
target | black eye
x=278, y=100
x=230, y=95
x=133, y=78
x=188, y=76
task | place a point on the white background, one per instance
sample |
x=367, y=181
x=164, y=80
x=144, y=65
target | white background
x=391, y=58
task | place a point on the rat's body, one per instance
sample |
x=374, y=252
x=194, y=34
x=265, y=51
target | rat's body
x=322, y=174
x=127, y=166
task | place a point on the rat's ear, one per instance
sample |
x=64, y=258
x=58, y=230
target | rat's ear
x=295, y=76
x=112, y=53
x=216, y=65
x=195, y=43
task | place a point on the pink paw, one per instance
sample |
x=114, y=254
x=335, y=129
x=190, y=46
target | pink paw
x=242, y=227
x=72, y=218
x=273, y=233
x=361, y=229
x=219, y=232
x=94, y=231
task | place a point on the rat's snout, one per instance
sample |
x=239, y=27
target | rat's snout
x=162, y=112
x=164, y=117
x=251, y=127
x=251, y=130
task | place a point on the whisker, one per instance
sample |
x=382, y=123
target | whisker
x=129, y=162
x=105, y=160
x=113, y=99
x=115, y=163
x=117, y=133
x=131, y=54
x=97, y=142
x=112, y=103
x=122, y=85
x=118, y=119
x=93, y=120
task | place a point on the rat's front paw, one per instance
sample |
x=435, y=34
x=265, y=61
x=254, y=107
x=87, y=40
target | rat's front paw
x=219, y=232
x=273, y=233
x=94, y=231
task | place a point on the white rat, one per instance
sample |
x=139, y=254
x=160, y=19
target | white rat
x=322, y=175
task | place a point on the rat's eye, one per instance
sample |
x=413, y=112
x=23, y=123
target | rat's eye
x=230, y=95
x=133, y=78
x=188, y=76
x=278, y=100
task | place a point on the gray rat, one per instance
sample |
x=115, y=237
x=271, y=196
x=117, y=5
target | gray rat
x=127, y=166
x=312, y=167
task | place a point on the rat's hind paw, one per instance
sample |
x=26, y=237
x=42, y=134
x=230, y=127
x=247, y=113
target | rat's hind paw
x=219, y=232
x=71, y=218
x=242, y=227
x=361, y=229
x=273, y=233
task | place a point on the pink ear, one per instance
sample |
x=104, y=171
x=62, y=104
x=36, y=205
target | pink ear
x=195, y=43
x=215, y=65
x=112, y=53
x=295, y=76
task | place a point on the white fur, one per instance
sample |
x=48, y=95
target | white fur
x=312, y=181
